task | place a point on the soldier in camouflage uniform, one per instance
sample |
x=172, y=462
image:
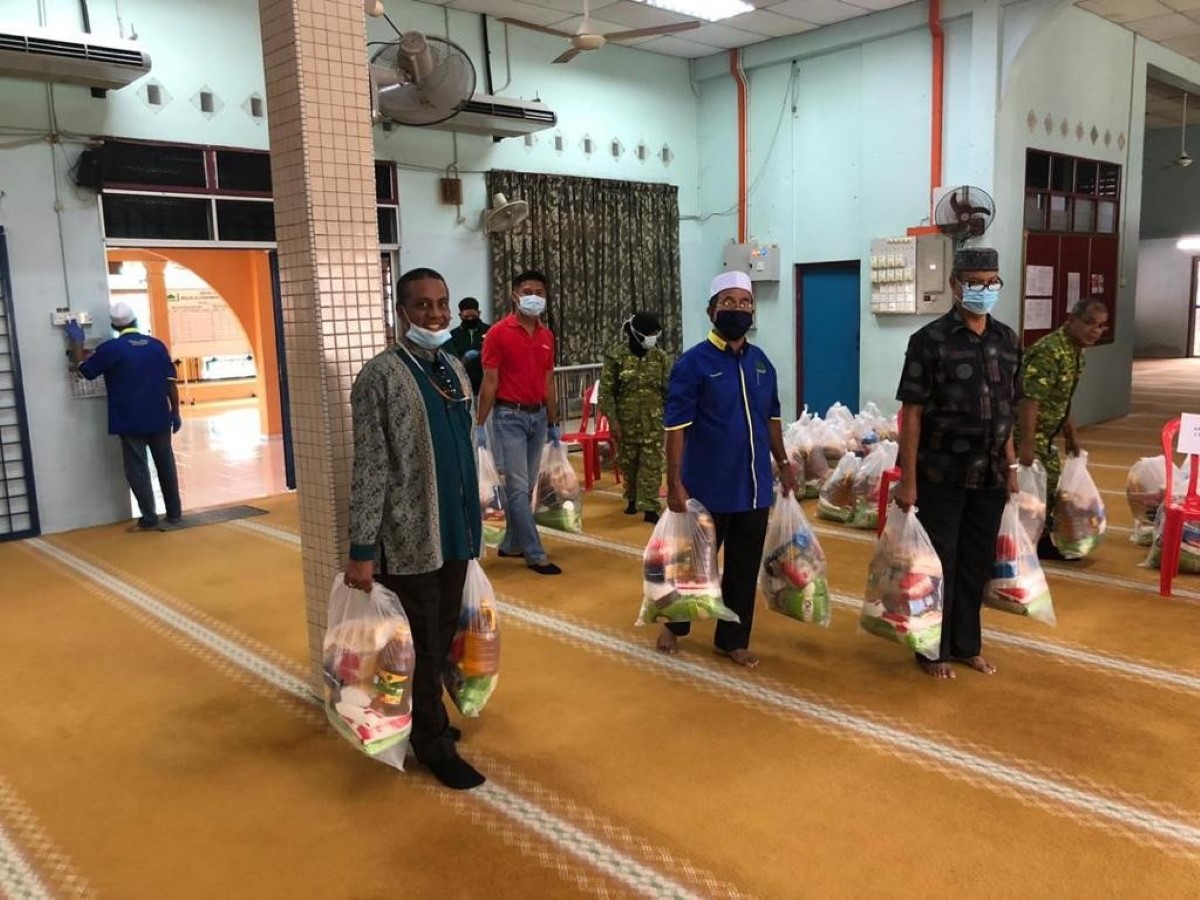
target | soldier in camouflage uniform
x=1050, y=372
x=633, y=388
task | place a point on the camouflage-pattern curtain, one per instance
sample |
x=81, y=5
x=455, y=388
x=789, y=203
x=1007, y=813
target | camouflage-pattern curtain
x=609, y=249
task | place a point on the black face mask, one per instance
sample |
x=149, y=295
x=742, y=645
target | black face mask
x=733, y=323
x=470, y=324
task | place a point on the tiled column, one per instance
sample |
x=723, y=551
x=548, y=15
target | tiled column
x=322, y=168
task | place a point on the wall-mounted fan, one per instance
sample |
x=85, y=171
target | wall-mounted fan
x=505, y=215
x=419, y=79
x=964, y=212
x=586, y=38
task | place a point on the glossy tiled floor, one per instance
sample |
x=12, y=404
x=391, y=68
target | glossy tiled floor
x=223, y=457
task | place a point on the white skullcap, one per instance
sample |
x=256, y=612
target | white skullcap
x=727, y=280
x=121, y=314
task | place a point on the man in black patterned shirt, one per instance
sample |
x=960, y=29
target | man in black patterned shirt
x=959, y=394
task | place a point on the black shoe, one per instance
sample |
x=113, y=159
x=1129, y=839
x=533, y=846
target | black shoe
x=631, y=509
x=456, y=773
x=651, y=517
x=547, y=569
x=1046, y=550
x=147, y=523
x=504, y=555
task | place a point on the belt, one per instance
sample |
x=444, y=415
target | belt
x=523, y=407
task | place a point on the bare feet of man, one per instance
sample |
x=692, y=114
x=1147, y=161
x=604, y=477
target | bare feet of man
x=667, y=642
x=978, y=663
x=935, y=669
x=741, y=657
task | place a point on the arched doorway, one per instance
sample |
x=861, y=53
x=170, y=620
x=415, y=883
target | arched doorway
x=213, y=309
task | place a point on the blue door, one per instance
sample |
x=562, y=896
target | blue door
x=827, y=297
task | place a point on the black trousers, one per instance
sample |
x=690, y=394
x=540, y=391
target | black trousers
x=962, y=524
x=137, y=472
x=742, y=534
x=432, y=601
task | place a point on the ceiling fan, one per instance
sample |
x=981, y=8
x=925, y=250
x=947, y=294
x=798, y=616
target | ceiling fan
x=1183, y=160
x=587, y=39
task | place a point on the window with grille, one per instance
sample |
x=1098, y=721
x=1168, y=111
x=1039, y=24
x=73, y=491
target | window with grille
x=18, y=499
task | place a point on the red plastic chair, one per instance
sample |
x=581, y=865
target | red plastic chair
x=890, y=477
x=590, y=441
x=1176, y=513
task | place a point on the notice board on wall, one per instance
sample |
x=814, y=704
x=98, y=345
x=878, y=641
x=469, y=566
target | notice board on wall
x=1063, y=268
x=202, y=324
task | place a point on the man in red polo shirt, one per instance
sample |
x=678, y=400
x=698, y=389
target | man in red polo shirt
x=518, y=381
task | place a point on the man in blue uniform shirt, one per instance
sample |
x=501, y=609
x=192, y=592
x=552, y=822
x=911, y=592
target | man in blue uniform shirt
x=723, y=427
x=143, y=406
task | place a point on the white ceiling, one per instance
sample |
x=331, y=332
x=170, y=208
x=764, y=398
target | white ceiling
x=1176, y=25
x=1173, y=23
x=771, y=18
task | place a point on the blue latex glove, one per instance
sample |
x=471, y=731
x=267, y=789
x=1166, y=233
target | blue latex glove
x=176, y=423
x=554, y=432
x=74, y=332
x=470, y=355
x=480, y=436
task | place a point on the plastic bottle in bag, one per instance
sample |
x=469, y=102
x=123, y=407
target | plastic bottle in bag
x=1018, y=584
x=1079, y=516
x=904, y=586
x=793, y=572
x=474, y=664
x=680, y=580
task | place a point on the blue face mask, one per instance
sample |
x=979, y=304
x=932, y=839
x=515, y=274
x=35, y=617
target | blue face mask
x=531, y=304
x=979, y=302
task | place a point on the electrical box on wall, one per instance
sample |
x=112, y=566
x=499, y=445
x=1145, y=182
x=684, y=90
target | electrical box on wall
x=911, y=275
x=759, y=261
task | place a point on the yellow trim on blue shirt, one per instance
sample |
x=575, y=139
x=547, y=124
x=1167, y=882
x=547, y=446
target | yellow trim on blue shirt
x=717, y=341
x=678, y=427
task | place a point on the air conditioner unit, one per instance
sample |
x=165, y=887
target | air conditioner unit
x=71, y=58
x=500, y=117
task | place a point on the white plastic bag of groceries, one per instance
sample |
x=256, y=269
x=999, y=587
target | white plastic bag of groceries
x=491, y=498
x=367, y=666
x=680, y=580
x=904, y=586
x=836, y=501
x=1018, y=584
x=1031, y=499
x=475, y=653
x=1079, y=517
x=1144, y=489
x=558, y=498
x=793, y=573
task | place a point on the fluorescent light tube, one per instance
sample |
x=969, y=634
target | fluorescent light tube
x=1191, y=242
x=709, y=10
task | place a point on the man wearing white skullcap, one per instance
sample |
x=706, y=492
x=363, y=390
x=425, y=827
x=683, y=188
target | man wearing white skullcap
x=143, y=406
x=723, y=427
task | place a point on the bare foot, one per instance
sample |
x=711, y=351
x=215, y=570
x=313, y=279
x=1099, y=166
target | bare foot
x=741, y=657
x=978, y=663
x=667, y=642
x=935, y=669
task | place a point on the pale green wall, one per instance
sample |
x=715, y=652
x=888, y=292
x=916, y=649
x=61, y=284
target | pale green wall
x=850, y=163
x=621, y=92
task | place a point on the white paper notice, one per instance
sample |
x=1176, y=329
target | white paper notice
x=1038, y=313
x=1189, y=433
x=1072, y=289
x=1039, y=281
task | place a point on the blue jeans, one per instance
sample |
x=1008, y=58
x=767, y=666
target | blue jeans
x=520, y=438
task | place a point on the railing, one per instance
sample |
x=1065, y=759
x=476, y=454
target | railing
x=569, y=382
